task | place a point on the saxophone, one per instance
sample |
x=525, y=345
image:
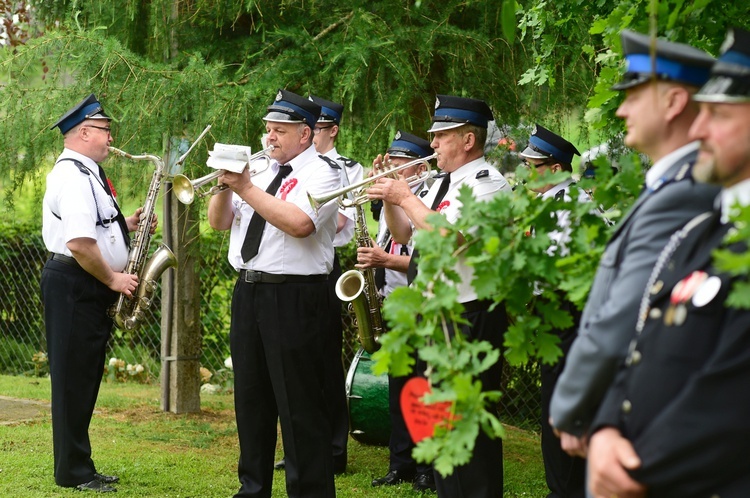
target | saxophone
x=358, y=289
x=129, y=313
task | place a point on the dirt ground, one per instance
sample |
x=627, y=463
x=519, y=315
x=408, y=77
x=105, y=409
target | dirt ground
x=13, y=411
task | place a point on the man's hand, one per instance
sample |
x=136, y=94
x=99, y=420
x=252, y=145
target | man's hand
x=134, y=220
x=610, y=457
x=236, y=181
x=390, y=190
x=380, y=164
x=124, y=283
x=371, y=257
x=573, y=445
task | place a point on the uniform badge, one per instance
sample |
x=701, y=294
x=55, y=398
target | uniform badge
x=287, y=187
x=398, y=135
x=707, y=291
x=442, y=205
x=681, y=293
x=533, y=132
x=483, y=174
x=437, y=103
x=279, y=96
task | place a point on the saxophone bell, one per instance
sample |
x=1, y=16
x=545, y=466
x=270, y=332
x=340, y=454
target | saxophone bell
x=350, y=288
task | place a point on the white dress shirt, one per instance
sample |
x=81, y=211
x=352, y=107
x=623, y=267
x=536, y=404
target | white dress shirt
x=349, y=175
x=77, y=198
x=279, y=252
x=484, y=188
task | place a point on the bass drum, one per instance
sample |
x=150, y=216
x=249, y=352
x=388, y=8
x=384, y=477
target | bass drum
x=367, y=396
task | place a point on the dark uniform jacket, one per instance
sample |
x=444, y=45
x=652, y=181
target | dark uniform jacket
x=608, y=319
x=681, y=396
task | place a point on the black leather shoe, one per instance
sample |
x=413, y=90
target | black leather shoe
x=107, y=479
x=425, y=482
x=339, y=465
x=97, y=486
x=392, y=478
x=280, y=465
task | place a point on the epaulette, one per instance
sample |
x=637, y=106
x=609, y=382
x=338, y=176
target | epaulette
x=483, y=174
x=83, y=169
x=423, y=193
x=333, y=164
x=347, y=162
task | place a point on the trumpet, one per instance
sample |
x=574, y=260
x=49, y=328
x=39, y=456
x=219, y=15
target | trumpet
x=186, y=189
x=360, y=197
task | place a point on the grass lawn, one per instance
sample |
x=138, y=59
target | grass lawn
x=159, y=454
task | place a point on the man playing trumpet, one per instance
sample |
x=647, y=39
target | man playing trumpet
x=283, y=251
x=391, y=260
x=460, y=130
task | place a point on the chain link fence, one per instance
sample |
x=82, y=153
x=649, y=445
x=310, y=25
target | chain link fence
x=23, y=344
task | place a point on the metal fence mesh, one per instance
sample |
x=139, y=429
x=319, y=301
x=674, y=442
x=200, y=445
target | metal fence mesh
x=22, y=256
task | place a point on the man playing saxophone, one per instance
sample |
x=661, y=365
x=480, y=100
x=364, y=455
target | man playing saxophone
x=390, y=261
x=88, y=239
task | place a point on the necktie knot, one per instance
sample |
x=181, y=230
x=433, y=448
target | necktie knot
x=284, y=170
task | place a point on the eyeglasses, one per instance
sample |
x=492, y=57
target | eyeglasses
x=103, y=128
x=529, y=164
x=318, y=129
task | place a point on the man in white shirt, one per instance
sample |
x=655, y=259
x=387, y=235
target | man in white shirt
x=283, y=251
x=391, y=261
x=549, y=153
x=460, y=131
x=87, y=237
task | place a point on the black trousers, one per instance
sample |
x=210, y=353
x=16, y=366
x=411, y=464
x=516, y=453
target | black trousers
x=77, y=328
x=277, y=340
x=335, y=377
x=566, y=475
x=482, y=476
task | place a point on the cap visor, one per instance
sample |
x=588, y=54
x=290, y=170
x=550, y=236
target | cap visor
x=530, y=153
x=631, y=80
x=444, y=125
x=280, y=117
x=724, y=89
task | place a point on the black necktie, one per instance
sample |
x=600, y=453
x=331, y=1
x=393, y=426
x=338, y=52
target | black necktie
x=120, y=218
x=411, y=272
x=257, y=222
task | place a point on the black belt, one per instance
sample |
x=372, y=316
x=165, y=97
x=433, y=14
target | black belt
x=476, y=305
x=259, y=277
x=64, y=259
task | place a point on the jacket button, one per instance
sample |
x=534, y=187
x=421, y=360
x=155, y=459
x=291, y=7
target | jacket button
x=635, y=357
x=657, y=287
x=655, y=313
x=626, y=406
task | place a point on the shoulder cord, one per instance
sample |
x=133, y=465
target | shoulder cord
x=661, y=261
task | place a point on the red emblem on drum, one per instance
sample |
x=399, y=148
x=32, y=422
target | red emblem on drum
x=287, y=187
x=442, y=206
x=421, y=419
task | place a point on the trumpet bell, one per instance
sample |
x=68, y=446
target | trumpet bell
x=183, y=189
